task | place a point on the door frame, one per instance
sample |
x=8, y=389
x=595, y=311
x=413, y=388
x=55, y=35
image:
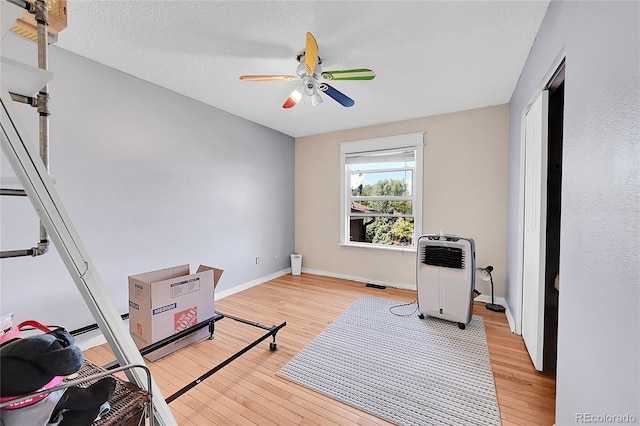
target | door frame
x=555, y=65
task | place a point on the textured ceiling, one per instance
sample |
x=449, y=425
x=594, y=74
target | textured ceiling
x=430, y=57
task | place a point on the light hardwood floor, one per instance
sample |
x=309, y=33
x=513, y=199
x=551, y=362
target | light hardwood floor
x=248, y=392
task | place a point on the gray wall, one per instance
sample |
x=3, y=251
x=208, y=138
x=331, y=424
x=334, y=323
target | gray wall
x=151, y=179
x=599, y=330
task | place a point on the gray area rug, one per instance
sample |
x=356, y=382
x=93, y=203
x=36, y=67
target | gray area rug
x=402, y=369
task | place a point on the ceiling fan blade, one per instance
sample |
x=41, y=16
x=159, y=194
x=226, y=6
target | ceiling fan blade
x=293, y=99
x=357, y=74
x=267, y=77
x=310, y=54
x=337, y=95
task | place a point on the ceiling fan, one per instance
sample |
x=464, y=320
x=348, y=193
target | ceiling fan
x=309, y=71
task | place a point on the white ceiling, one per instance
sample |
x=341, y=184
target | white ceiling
x=430, y=57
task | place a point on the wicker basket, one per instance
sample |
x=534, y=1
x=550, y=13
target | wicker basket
x=128, y=404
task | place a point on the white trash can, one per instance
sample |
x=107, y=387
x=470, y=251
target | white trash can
x=296, y=264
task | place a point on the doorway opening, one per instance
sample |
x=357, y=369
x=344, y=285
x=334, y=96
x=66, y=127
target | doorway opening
x=554, y=198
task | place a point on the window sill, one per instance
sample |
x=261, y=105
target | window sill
x=379, y=247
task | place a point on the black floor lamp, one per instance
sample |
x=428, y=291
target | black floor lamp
x=485, y=274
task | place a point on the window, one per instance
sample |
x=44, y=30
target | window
x=381, y=191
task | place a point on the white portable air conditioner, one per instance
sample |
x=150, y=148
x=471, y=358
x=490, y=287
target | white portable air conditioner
x=446, y=268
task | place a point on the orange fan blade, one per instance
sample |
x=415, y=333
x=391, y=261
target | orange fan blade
x=267, y=77
x=311, y=54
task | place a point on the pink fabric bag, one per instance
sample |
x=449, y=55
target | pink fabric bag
x=15, y=333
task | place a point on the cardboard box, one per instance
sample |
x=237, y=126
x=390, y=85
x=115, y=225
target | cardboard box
x=165, y=302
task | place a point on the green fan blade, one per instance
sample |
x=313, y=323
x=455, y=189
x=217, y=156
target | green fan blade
x=357, y=74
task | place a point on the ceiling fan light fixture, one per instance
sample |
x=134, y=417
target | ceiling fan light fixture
x=293, y=99
x=309, y=70
x=316, y=99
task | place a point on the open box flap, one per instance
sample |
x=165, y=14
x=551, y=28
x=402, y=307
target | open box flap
x=217, y=273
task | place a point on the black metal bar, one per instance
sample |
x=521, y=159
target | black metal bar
x=272, y=332
x=244, y=321
x=21, y=3
x=23, y=99
x=164, y=342
x=13, y=192
x=91, y=327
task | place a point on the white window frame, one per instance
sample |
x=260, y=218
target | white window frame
x=413, y=141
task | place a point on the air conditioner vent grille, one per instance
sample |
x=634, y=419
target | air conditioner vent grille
x=446, y=257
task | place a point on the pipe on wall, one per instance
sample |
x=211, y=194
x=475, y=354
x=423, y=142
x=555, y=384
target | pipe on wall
x=39, y=10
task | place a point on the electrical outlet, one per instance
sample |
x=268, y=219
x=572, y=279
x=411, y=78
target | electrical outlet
x=257, y=260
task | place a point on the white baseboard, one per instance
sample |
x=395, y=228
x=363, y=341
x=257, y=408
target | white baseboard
x=96, y=338
x=512, y=322
x=403, y=286
x=499, y=301
x=482, y=298
x=253, y=283
x=85, y=343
